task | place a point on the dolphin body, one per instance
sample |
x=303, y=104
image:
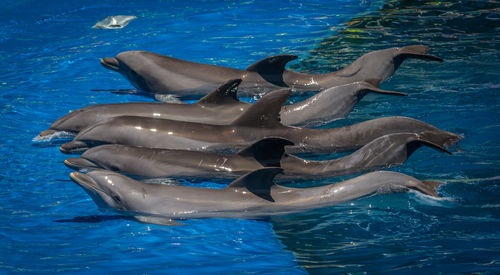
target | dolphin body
x=384, y=152
x=259, y=121
x=222, y=106
x=253, y=195
x=159, y=74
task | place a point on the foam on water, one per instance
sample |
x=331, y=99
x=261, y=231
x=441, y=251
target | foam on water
x=54, y=136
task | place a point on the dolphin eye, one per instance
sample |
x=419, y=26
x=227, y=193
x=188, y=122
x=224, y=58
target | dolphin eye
x=133, y=72
x=116, y=198
x=114, y=168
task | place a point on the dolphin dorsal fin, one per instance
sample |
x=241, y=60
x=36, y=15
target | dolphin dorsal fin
x=271, y=65
x=268, y=151
x=265, y=112
x=259, y=182
x=225, y=94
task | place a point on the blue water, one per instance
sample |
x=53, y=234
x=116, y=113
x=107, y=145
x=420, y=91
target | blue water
x=49, y=57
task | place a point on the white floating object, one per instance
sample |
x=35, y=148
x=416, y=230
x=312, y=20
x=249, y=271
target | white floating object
x=114, y=22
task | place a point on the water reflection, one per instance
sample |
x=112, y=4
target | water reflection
x=404, y=233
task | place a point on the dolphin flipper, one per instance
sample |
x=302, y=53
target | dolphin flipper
x=268, y=151
x=258, y=182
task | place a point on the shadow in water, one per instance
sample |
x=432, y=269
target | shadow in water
x=96, y=218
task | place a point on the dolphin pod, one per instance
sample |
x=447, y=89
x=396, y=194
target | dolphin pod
x=222, y=106
x=161, y=74
x=253, y=195
x=384, y=152
x=222, y=137
x=259, y=121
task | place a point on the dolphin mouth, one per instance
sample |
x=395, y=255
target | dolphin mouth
x=111, y=63
x=73, y=147
x=79, y=163
x=85, y=182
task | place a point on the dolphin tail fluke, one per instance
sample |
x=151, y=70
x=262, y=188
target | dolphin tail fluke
x=268, y=151
x=441, y=138
x=417, y=51
x=429, y=187
x=258, y=182
x=373, y=86
x=423, y=140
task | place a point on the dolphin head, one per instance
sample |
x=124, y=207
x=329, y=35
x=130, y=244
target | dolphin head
x=76, y=120
x=133, y=65
x=113, y=157
x=106, y=188
x=91, y=136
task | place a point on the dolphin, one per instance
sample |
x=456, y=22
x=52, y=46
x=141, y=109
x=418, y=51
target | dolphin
x=384, y=152
x=159, y=74
x=330, y=104
x=259, y=121
x=222, y=106
x=253, y=195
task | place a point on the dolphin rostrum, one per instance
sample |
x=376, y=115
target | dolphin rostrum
x=253, y=195
x=384, y=152
x=259, y=121
x=160, y=74
x=222, y=106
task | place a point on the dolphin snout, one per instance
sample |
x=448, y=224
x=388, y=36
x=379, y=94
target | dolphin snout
x=73, y=147
x=47, y=132
x=85, y=181
x=79, y=163
x=111, y=63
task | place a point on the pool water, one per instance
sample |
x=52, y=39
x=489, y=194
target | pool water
x=50, y=64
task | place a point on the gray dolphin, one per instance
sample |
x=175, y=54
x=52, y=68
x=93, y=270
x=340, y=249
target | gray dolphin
x=156, y=73
x=222, y=106
x=259, y=121
x=330, y=104
x=383, y=152
x=253, y=195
